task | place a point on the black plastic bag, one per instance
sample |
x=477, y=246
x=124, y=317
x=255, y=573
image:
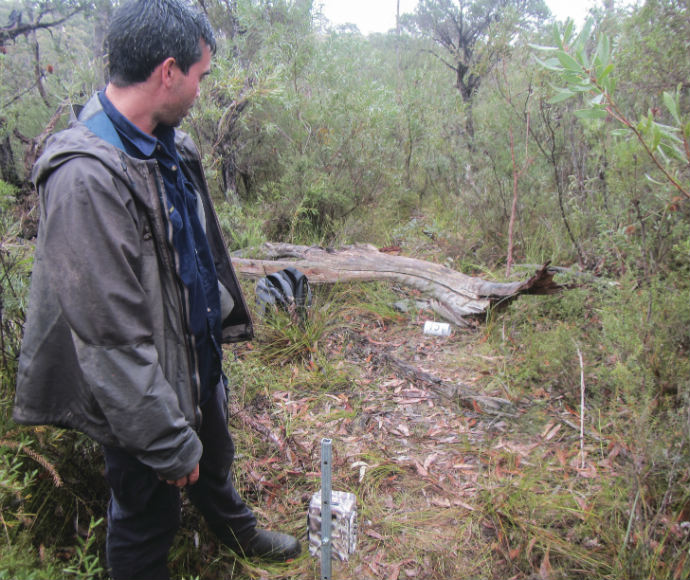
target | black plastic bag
x=288, y=290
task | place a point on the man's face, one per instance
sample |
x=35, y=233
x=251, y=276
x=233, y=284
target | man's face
x=186, y=88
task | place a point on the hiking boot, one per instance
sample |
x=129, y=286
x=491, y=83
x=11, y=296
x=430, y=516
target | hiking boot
x=267, y=545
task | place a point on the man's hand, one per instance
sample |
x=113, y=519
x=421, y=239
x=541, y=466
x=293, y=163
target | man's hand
x=190, y=479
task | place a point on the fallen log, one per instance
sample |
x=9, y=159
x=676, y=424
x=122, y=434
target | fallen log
x=450, y=391
x=456, y=296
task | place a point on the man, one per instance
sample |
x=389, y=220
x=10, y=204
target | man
x=133, y=293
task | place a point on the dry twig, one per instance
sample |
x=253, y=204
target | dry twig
x=582, y=409
x=268, y=435
x=49, y=467
x=448, y=390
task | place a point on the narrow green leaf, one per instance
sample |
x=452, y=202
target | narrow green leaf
x=603, y=73
x=652, y=180
x=583, y=37
x=660, y=152
x=610, y=85
x=672, y=105
x=583, y=88
x=672, y=151
x=568, y=62
x=594, y=114
x=563, y=37
x=604, y=50
x=644, y=125
x=549, y=64
x=668, y=131
x=569, y=26
x=581, y=56
x=656, y=137
x=556, y=35
x=574, y=78
x=543, y=48
x=560, y=96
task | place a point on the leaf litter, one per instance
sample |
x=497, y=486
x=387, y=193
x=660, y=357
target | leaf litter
x=419, y=462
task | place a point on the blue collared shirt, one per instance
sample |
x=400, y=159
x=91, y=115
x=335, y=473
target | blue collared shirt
x=196, y=270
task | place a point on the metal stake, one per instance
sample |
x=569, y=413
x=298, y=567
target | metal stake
x=326, y=509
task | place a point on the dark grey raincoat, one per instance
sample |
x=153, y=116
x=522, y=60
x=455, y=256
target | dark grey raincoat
x=106, y=345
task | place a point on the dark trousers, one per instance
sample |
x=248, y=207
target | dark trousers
x=144, y=512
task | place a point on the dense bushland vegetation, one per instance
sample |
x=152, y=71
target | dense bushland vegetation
x=486, y=143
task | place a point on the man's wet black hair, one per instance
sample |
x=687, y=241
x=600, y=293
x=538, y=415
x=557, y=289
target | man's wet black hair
x=143, y=33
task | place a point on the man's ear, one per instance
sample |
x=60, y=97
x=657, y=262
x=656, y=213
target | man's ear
x=168, y=70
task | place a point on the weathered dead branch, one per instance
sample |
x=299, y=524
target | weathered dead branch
x=455, y=295
x=448, y=390
x=257, y=426
x=37, y=457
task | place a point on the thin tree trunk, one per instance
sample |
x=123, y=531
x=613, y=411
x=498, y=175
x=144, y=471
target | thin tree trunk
x=516, y=176
x=513, y=208
x=8, y=167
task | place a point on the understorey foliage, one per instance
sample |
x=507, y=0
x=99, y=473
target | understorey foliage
x=546, y=142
